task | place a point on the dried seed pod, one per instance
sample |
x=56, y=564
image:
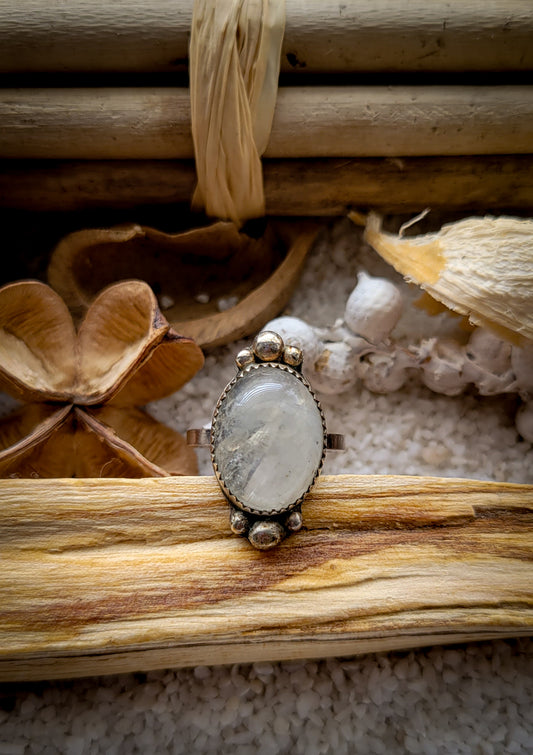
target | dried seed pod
x=524, y=421
x=124, y=354
x=373, y=308
x=442, y=366
x=487, y=363
x=488, y=351
x=382, y=373
x=480, y=267
x=522, y=364
x=335, y=369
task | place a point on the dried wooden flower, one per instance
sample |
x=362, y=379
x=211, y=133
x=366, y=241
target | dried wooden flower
x=81, y=389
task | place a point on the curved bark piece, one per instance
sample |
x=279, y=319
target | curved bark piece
x=262, y=303
x=213, y=284
x=37, y=343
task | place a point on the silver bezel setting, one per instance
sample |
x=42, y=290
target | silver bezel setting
x=241, y=375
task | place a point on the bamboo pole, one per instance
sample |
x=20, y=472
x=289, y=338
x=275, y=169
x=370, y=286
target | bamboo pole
x=131, y=123
x=320, y=36
x=292, y=187
x=101, y=576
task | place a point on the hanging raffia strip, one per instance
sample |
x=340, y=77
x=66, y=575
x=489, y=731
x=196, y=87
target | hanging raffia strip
x=234, y=66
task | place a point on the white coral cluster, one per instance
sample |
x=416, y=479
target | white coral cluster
x=359, y=347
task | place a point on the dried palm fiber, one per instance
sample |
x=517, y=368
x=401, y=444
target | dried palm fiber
x=234, y=66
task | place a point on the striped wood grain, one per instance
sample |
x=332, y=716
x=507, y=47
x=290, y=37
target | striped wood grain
x=101, y=576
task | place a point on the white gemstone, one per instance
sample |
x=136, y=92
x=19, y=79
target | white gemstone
x=268, y=439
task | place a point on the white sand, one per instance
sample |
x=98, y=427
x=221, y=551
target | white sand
x=467, y=699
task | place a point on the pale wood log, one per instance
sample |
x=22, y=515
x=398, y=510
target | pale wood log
x=292, y=187
x=101, y=576
x=136, y=123
x=320, y=36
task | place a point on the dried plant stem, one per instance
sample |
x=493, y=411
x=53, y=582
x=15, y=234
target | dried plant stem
x=106, y=576
x=154, y=123
x=320, y=36
x=292, y=187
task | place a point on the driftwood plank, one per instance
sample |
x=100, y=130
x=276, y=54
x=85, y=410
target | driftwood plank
x=365, y=121
x=325, y=36
x=292, y=187
x=101, y=576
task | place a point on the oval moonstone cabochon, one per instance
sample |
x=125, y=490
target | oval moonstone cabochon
x=268, y=439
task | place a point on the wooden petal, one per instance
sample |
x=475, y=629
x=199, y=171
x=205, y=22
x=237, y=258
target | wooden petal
x=37, y=441
x=169, y=366
x=37, y=343
x=122, y=326
x=132, y=444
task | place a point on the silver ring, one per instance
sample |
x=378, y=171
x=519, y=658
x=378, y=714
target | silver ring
x=268, y=441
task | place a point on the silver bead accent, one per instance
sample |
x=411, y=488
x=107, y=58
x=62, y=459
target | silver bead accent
x=294, y=521
x=264, y=535
x=268, y=346
x=238, y=522
x=244, y=358
x=293, y=356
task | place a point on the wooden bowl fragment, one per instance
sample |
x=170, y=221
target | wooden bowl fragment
x=213, y=284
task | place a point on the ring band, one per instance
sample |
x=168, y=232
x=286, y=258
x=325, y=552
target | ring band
x=268, y=441
x=201, y=438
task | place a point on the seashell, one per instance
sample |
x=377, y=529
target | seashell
x=373, y=308
x=479, y=267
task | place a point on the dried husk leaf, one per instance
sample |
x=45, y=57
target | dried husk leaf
x=30, y=438
x=479, y=267
x=37, y=343
x=234, y=66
